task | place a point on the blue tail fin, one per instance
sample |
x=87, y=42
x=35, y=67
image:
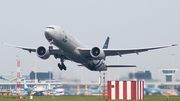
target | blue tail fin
x=106, y=43
x=25, y=85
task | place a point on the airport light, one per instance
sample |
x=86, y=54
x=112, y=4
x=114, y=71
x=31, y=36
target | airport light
x=104, y=85
x=18, y=78
x=78, y=89
x=86, y=84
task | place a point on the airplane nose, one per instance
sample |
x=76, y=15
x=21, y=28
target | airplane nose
x=48, y=33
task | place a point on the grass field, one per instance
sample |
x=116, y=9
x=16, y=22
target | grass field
x=82, y=98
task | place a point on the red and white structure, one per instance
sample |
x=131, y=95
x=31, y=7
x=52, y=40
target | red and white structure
x=86, y=93
x=18, y=78
x=126, y=90
x=78, y=89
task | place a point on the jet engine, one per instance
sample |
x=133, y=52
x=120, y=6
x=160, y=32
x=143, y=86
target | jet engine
x=42, y=52
x=97, y=53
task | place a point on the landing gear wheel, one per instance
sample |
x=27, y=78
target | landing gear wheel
x=63, y=66
x=60, y=66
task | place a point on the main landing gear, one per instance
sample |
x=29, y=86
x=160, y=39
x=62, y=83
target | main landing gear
x=62, y=66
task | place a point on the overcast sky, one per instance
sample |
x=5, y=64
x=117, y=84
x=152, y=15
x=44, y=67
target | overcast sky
x=128, y=23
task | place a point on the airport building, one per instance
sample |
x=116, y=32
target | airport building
x=169, y=73
x=41, y=75
x=165, y=85
x=140, y=75
x=44, y=80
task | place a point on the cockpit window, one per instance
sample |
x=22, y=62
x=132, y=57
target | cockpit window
x=50, y=27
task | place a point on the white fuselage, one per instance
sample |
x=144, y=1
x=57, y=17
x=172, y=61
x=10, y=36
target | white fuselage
x=69, y=47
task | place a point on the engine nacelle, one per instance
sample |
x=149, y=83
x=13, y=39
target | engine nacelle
x=42, y=52
x=97, y=53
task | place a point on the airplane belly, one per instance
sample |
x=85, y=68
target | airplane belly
x=96, y=65
x=76, y=58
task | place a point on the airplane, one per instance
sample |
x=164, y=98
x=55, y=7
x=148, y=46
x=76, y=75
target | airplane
x=8, y=77
x=152, y=90
x=49, y=91
x=8, y=74
x=69, y=48
x=39, y=90
x=34, y=89
x=26, y=88
x=94, y=91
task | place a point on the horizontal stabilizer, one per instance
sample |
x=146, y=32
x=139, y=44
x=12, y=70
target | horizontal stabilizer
x=116, y=65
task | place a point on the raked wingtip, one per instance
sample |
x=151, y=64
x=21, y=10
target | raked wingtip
x=174, y=44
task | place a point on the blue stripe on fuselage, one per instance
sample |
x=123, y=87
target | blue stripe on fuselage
x=97, y=63
x=100, y=62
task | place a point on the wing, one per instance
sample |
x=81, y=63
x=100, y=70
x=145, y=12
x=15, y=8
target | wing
x=24, y=48
x=56, y=52
x=111, y=52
